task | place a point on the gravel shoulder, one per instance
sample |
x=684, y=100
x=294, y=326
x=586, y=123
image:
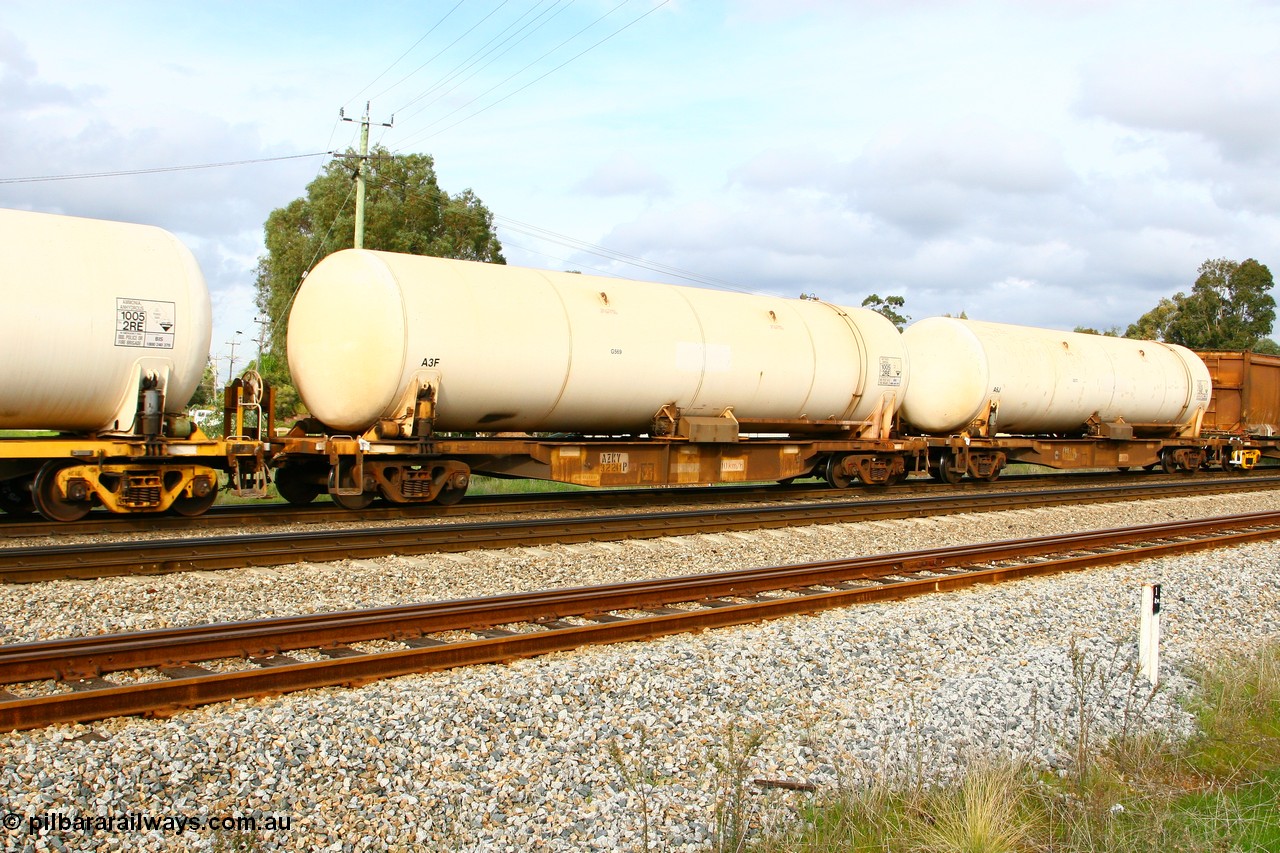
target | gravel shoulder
x=553, y=750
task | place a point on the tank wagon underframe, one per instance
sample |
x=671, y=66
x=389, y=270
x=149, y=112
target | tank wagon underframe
x=439, y=469
x=983, y=458
x=356, y=470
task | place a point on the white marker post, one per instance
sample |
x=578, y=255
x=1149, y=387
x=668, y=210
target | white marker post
x=1149, y=634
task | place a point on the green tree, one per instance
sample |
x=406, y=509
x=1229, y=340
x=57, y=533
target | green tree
x=208, y=393
x=405, y=211
x=1229, y=308
x=1154, y=325
x=1113, y=332
x=888, y=307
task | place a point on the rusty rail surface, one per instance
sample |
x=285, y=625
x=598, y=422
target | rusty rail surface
x=160, y=556
x=261, y=514
x=326, y=512
x=715, y=600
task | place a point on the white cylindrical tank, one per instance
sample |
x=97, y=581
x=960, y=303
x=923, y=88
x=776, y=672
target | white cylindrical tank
x=93, y=308
x=1045, y=381
x=522, y=349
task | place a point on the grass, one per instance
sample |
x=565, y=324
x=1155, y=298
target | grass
x=1218, y=791
x=479, y=486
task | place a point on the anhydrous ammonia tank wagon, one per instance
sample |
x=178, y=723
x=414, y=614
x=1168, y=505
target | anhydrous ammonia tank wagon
x=522, y=349
x=94, y=307
x=1026, y=381
x=576, y=378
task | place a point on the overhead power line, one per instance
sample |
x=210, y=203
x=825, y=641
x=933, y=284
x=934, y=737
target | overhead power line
x=425, y=134
x=489, y=55
x=423, y=38
x=158, y=169
x=614, y=255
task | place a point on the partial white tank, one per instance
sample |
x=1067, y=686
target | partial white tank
x=1045, y=381
x=93, y=307
x=513, y=349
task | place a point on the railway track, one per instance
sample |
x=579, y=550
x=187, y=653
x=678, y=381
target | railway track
x=171, y=667
x=159, y=556
x=260, y=514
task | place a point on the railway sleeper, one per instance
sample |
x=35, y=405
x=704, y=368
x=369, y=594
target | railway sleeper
x=415, y=643
x=494, y=633
x=185, y=671
x=274, y=660
x=93, y=682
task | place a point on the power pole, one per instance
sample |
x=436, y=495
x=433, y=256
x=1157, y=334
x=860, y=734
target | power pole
x=262, y=338
x=231, y=368
x=360, y=169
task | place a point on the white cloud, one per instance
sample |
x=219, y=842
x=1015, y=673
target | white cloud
x=1227, y=98
x=624, y=174
x=1097, y=151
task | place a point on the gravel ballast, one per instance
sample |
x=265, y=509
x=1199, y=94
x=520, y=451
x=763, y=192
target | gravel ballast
x=557, y=750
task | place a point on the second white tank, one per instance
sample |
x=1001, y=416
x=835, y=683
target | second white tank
x=1043, y=381
x=523, y=349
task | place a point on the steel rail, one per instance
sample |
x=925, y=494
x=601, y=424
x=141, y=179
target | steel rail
x=261, y=514
x=823, y=586
x=160, y=556
x=89, y=656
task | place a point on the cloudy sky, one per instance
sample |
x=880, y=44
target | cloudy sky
x=1056, y=163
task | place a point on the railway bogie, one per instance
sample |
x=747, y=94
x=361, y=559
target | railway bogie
x=63, y=477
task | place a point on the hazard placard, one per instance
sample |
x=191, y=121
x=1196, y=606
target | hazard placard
x=146, y=323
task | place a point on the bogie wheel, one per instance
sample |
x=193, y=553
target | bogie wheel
x=835, y=477
x=293, y=486
x=948, y=472
x=15, y=496
x=193, y=506
x=354, y=502
x=992, y=477
x=1168, y=462
x=53, y=506
x=450, y=495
